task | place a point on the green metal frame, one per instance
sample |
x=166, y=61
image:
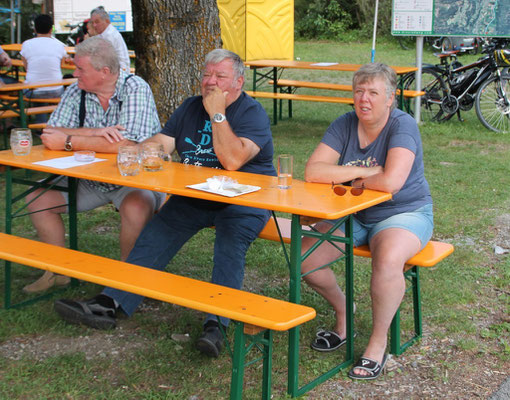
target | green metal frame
x=413, y=275
x=243, y=344
x=295, y=296
x=49, y=183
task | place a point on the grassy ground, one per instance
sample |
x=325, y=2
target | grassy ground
x=465, y=351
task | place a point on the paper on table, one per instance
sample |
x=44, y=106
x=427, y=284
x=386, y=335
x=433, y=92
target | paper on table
x=66, y=162
x=324, y=64
x=236, y=190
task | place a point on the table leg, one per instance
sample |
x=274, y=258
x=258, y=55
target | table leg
x=49, y=183
x=295, y=296
x=8, y=229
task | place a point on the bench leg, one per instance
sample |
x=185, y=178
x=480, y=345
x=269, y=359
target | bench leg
x=395, y=346
x=243, y=343
x=236, y=383
x=268, y=365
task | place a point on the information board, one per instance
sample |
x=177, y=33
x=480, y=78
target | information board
x=72, y=12
x=451, y=17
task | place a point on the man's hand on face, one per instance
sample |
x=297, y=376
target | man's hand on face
x=53, y=138
x=215, y=101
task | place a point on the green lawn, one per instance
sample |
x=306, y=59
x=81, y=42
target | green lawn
x=466, y=298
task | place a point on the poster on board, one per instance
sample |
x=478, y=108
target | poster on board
x=72, y=12
x=451, y=17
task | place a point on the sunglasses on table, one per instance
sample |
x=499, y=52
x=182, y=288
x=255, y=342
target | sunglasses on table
x=341, y=190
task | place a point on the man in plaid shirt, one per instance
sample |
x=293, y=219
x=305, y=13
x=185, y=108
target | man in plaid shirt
x=105, y=109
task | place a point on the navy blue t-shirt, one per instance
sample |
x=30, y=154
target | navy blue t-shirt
x=191, y=127
x=400, y=131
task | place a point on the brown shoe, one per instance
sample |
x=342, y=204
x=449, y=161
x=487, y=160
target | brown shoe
x=48, y=280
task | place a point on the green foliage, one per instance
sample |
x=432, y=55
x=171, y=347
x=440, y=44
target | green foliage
x=324, y=19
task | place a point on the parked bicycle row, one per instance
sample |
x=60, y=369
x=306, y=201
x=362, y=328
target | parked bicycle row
x=451, y=87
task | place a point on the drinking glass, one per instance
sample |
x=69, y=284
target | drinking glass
x=21, y=141
x=152, y=156
x=128, y=160
x=285, y=162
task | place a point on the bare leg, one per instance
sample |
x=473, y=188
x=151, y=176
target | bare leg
x=323, y=281
x=390, y=249
x=50, y=229
x=136, y=210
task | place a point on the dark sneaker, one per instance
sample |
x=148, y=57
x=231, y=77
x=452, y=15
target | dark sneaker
x=210, y=342
x=95, y=313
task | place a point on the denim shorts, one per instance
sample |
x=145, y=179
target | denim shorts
x=420, y=222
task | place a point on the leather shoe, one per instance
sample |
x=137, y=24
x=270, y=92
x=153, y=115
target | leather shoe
x=48, y=280
x=210, y=342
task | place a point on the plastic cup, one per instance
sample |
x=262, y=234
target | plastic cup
x=128, y=160
x=285, y=164
x=21, y=141
x=152, y=156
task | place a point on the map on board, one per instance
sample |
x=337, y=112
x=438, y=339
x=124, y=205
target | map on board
x=451, y=17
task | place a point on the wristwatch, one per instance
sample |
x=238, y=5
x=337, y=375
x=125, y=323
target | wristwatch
x=68, y=146
x=219, y=118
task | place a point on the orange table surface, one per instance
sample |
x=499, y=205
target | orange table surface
x=303, y=198
x=9, y=87
x=317, y=65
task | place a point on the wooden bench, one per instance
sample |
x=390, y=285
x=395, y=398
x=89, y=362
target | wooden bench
x=255, y=317
x=40, y=126
x=431, y=254
x=54, y=100
x=288, y=88
x=29, y=111
x=299, y=97
x=288, y=83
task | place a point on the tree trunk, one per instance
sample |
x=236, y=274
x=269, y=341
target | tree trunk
x=172, y=38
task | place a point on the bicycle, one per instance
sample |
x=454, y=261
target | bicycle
x=451, y=87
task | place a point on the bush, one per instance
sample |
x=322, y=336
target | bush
x=324, y=19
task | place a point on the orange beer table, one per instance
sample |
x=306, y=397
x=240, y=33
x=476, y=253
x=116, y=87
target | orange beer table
x=302, y=199
x=281, y=65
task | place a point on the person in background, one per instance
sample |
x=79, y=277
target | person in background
x=5, y=61
x=101, y=25
x=223, y=128
x=118, y=109
x=88, y=29
x=377, y=147
x=42, y=57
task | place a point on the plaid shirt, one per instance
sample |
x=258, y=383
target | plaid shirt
x=132, y=106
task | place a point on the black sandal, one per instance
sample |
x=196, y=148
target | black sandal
x=373, y=368
x=326, y=341
x=88, y=313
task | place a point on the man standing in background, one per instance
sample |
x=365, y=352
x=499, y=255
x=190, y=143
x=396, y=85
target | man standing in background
x=101, y=23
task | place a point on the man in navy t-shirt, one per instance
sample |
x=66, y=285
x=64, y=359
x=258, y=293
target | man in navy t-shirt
x=223, y=128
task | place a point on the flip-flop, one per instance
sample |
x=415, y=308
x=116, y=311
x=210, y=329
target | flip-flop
x=86, y=312
x=327, y=341
x=373, y=368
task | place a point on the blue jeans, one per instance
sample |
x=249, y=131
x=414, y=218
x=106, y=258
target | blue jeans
x=181, y=218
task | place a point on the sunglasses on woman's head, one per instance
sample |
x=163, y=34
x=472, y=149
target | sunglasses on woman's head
x=341, y=190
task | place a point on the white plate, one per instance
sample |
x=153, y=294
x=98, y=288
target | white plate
x=234, y=191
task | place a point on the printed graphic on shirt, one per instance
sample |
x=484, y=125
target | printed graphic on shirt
x=200, y=150
x=369, y=162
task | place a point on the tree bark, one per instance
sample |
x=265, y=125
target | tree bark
x=172, y=38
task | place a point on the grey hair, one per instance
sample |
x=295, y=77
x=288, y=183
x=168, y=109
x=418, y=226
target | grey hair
x=101, y=53
x=101, y=12
x=218, y=55
x=369, y=72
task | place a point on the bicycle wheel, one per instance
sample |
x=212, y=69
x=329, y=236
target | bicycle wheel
x=493, y=104
x=435, y=90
